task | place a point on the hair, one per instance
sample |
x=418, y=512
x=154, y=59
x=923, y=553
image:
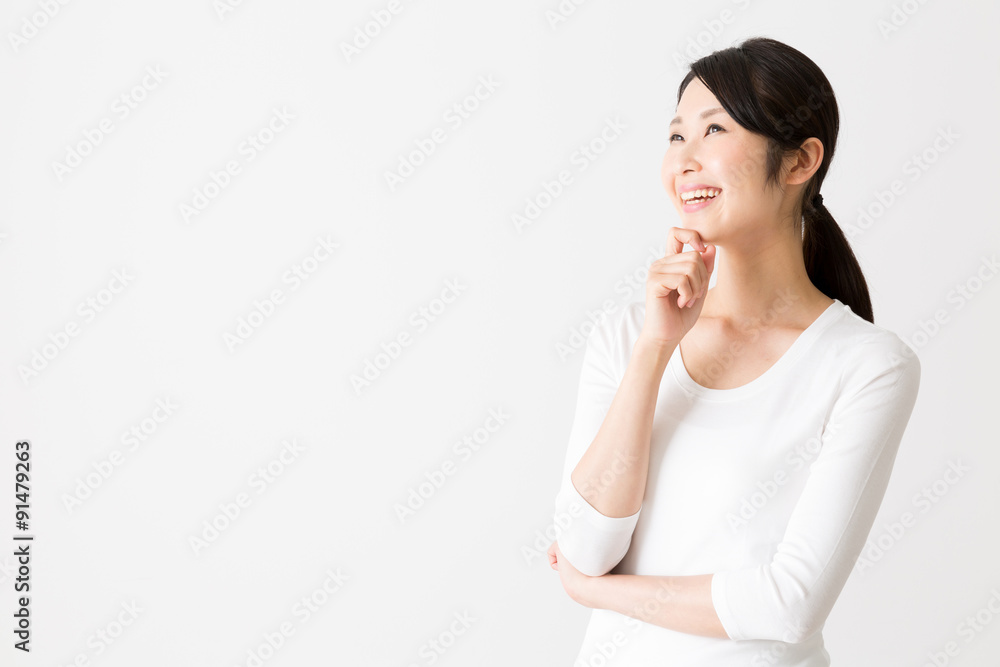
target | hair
x=776, y=91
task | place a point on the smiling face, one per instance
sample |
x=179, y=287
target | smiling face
x=710, y=153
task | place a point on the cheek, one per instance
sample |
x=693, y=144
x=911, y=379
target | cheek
x=742, y=168
x=666, y=173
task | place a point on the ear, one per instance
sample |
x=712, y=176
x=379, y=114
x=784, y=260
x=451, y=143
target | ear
x=805, y=162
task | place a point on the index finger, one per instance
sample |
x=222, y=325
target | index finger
x=681, y=235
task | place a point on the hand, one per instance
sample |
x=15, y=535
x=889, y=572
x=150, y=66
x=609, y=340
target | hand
x=575, y=583
x=676, y=287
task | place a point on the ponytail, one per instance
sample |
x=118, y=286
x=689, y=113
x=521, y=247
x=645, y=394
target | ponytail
x=830, y=262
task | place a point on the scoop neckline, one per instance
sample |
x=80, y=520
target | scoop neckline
x=784, y=362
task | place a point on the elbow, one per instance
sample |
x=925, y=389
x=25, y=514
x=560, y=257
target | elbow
x=592, y=543
x=768, y=603
x=798, y=626
x=595, y=569
x=591, y=561
x=801, y=633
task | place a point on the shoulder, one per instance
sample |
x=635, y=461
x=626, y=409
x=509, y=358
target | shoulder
x=862, y=352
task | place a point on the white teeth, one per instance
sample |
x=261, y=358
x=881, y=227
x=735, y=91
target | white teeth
x=703, y=193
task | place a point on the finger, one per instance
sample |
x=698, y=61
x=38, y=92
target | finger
x=673, y=281
x=709, y=258
x=668, y=280
x=702, y=276
x=685, y=262
x=697, y=273
x=679, y=236
x=686, y=273
x=685, y=291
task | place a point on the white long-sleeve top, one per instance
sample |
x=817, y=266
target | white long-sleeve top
x=772, y=487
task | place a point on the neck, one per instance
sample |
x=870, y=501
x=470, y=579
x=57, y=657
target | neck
x=766, y=282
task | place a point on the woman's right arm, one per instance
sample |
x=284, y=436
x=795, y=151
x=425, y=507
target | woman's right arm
x=604, y=492
x=611, y=474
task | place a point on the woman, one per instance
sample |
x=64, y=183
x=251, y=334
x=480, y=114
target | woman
x=731, y=447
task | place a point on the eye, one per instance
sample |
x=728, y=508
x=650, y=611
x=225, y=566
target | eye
x=715, y=125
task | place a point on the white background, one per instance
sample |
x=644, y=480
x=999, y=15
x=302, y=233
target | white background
x=495, y=346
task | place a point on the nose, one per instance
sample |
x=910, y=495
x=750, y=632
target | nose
x=685, y=159
x=679, y=159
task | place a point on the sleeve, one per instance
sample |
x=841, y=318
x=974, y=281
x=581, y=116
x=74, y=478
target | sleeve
x=592, y=542
x=790, y=598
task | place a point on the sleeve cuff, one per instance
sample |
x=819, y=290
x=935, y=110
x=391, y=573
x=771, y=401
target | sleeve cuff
x=592, y=542
x=721, y=604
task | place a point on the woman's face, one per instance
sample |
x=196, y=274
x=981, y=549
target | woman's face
x=708, y=149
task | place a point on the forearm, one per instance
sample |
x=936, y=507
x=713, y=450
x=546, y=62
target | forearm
x=683, y=604
x=611, y=474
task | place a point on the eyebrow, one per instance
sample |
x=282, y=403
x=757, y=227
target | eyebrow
x=704, y=114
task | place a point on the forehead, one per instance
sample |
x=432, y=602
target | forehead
x=696, y=99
